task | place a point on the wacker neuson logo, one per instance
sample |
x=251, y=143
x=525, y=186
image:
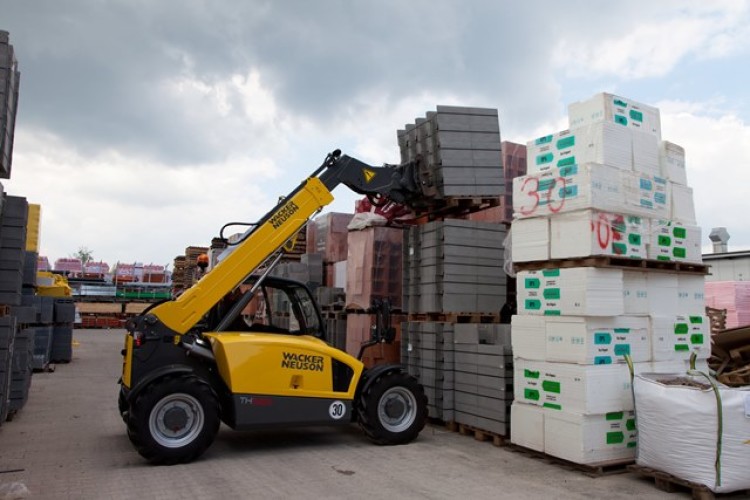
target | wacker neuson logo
x=283, y=214
x=302, y=362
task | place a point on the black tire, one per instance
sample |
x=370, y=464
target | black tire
x=122, y=405
x=174, y=420
x=393, y=409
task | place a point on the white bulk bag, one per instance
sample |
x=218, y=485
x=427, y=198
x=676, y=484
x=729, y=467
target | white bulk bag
x=678, y=431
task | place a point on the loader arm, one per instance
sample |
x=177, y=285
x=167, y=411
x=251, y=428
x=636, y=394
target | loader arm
x=397, y=183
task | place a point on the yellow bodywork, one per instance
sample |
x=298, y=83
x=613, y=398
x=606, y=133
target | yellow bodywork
x=127, y=361
x=181, y=314
x=280, y=365
x=52, y=285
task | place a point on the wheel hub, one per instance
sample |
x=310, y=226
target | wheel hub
x=175, y=418
x=395, y=408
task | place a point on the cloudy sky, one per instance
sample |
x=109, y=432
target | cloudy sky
x=144, y=126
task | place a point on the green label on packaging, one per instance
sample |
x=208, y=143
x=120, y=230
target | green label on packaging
x=663, y=257
x=679, y=232
x=679, y=252
x=532, y=283
x=681, y=347
x=632, y=444
x=568, y=171
x=602, y=360
x=546, y=185
x=696, y=338
x=615, y=415
x=636, y=115
x=533, y=304
x=530, y=373
x=664, y=241
x=543, y=140
x=551, y=293
x=619, y=248
x=550, y=273
x=696, y=320
x=551, y=386
x=622, y=349
x=680, y=328
x=634, y=239
x=630, y=424
x=620, y=103
x=552, y=312
x=566, y=142
x=531, y=394
x=570, y=160
x=621, y=120
x=615, y=438
x=544, y=159
x=602, y=338
x=552, y=406
x=623, y=331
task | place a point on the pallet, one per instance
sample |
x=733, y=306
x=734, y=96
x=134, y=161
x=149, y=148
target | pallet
x=609, y=261
x=599, y=469
x=469, y=317
x=456, y=206
x=670, y=484
x=468, y=430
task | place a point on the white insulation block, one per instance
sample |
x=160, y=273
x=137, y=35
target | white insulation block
x=592, y=340
x=677, y=427
x=590, y=439
x=604, y=143
x=590, y=186
x=673, y=241
x=591, y=232
x=683, y=206
x=635, y=292
x=672, y=162
x=573, y=388
x=528, y=336
x=530, y=239
x=675, y=338
x=577, y=291
x=615, y=109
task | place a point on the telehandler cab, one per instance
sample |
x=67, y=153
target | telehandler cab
x=248, y=349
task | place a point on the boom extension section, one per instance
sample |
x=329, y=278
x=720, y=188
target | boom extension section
x=398, y=183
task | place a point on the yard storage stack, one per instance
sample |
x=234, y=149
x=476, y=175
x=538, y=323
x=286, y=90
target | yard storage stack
x=608, y=256
x=454, y=283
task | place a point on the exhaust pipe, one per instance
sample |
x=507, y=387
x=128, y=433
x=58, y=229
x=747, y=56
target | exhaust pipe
x=198, y=350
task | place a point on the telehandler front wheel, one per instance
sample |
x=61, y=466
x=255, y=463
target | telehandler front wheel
x=393, y=409
x=174, y=420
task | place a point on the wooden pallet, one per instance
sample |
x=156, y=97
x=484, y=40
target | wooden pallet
x=468, y=430
x=456, y=206
x=599, y=469
x=609, y=261
x=468, y=317
x=670, y=484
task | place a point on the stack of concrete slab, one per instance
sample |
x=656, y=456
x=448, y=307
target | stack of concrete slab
x=455, y=266
x=9, y=86
x=605, y=188
x=427, y=352
x=13, y=223
x=7, y=338
x=483, y=376
x=64, y=312
x=23, y=352
x=374, y=267
x=460, y=149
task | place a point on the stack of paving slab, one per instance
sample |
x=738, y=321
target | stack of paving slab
x=9, y=84
x=454, y=266
x=460, y=149
x=609, y=187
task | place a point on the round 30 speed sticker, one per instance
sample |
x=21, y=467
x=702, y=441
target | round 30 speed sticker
x=337, y=410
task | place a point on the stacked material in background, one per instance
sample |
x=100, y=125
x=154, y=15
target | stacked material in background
x=605, y=192
x=460, y=148
x=374, y=267
x=454, y=282
x=9, y=87
x=186, y=271
x=734, y=296
x=455, y=266
x=328, y=235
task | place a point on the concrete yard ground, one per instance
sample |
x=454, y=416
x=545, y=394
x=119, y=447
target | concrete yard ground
x=69, y=442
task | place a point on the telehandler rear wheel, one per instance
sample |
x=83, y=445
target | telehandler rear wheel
x=174, y=420
x=393, y=409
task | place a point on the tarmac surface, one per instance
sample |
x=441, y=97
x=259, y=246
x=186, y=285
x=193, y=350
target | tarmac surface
x=69, y=442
